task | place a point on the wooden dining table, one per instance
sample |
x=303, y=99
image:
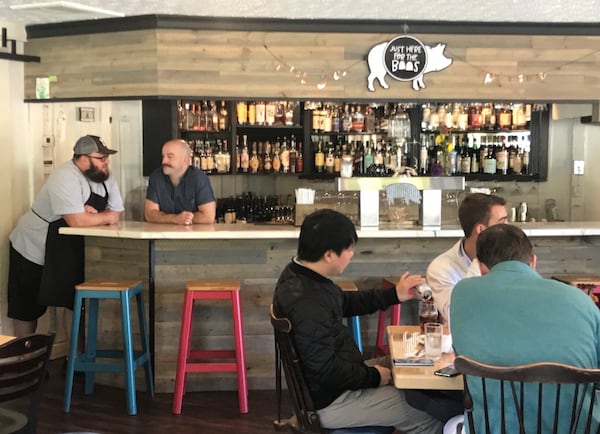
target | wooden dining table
x=5, y=338
x=418, y=377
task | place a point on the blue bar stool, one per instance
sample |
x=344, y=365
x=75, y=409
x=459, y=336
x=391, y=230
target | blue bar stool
x=131, y=359
x=354, y=321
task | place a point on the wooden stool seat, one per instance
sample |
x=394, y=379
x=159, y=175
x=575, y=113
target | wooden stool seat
x=354, y=321
x=194, y=360
x=213, y=285
x=128, y=358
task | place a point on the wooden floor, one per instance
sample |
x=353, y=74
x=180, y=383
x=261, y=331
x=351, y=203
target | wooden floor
x=105, y=411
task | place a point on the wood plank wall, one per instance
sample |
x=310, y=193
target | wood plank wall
x=230, y=64
x=258, y=263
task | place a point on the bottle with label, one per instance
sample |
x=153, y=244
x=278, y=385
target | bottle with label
x=489, y=164
x=254, y=163
x=423, y=159
x=245, y=157
x=223, y=117
x=289, y=114
x=267, y=160
x=284, y=156
x=252, y=113
x=346, y=120
x=337, y=160
x=465, y=157
x=368, y=158
x=329, y=159
x=475, y=157
x=358, y=120
x=475, y=117
x=242, y=112
x=299, y=159
x=502, y=158
x=270, y=109
x=276, y=162
x=504, y=117
x=260, y=112
x=358, y=158
x=293, y=154
x=319, y=159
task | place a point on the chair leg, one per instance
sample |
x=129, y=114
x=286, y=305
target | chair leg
x=240, y=355
x=90, y=352
x=72, y=353
x=128, y=354
x=145, y=343
x=182, y=356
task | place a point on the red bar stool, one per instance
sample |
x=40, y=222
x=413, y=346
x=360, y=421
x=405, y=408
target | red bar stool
x=188, y=359
x=381, y=348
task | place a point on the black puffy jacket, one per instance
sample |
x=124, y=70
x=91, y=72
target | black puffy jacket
x=315, y=305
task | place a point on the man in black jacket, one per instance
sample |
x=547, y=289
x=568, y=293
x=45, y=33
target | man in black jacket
x=344, y=389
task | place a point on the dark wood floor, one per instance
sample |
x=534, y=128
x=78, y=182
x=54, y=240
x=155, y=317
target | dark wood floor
x=105, y=412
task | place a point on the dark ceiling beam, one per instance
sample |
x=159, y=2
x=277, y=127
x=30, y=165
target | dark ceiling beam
x=145, y=22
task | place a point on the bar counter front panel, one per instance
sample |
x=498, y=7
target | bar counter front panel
x=256, y=254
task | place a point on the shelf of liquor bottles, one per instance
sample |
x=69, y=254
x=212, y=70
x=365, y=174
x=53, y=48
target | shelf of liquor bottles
x=498, y=141
x=366, y=139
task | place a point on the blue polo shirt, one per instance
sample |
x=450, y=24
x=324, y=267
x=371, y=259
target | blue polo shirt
x=194, y=189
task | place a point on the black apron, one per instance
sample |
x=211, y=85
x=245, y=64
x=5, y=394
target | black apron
x=64, y=260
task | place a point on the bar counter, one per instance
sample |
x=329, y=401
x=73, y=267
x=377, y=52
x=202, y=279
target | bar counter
x=165, y=256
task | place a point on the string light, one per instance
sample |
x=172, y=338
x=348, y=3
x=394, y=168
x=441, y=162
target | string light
x=304, y=76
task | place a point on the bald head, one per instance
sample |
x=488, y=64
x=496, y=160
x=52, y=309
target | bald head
x=175, y=159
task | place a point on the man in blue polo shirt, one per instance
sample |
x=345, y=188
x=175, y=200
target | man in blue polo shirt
x=177, y=192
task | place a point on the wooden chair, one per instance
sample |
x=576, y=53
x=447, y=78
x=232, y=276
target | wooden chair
x=306, y=420
x=23, y=364
x=514, y=397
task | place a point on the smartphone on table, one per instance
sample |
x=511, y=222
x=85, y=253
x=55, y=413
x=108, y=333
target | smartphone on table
x=447, y=371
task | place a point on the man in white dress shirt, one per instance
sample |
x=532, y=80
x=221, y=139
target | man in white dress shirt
x=477, y=212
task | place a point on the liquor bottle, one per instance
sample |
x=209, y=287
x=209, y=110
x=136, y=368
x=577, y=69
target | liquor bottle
x=358, y=159
x=289, y=114
x=210, y=159
x=254, y=163
x=319, y=159
x=223, y=117
x=465, y=157
x=423, y=158
x=279, y=113
x=475, y=157
x=214, y=113
x=368, y=158
x=203, y=158
x=502, y=158
x=336, y=119
x=329, y=159
x=242, y=112
x=337, y=160
x=245, y=158
x=293, y=154
x=221, y=159
x=512, y=153
x=181, y=125
x=358, y=120
x=346, y=120
x=326, y=123
x=252, y=113
x=489, y=164
x=299, y=159
x=378, y=155
x=270, y=113
x=475, y=117
x=227, y=156
x=316, y=119
x=267, y=160
x=189, y=116
x=518, y=163
x=260, y=112
x=504, y=117
x=526, y=169
x=284, y=156
x=369, y=120
x=276, y=162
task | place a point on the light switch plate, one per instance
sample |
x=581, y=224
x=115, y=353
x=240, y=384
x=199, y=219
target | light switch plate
x=578, y=167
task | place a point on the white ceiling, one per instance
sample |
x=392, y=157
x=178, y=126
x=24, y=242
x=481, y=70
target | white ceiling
x=547, y=11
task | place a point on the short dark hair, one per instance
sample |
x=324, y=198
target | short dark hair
x=325, y=230
x=501, y=243
x=475, y=209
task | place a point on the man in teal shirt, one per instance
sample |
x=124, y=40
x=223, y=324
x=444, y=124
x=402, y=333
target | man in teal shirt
x=512, y=316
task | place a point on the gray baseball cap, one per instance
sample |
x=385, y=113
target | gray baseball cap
x=87, y=144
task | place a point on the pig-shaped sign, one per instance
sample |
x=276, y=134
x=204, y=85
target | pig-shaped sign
x=405, y=58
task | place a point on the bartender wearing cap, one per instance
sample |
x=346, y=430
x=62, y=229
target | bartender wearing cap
x=44, y=266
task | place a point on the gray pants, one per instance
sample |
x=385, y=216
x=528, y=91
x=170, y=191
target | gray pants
x=381, y=406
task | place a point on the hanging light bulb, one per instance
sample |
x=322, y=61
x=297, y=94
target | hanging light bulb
x=322, y=84
x=542, y=76
x=278, y=67
x=292, y=69
x=302, y=80
x=488, y=78
x=336, y=75
x=344, y=73
x=521, y=78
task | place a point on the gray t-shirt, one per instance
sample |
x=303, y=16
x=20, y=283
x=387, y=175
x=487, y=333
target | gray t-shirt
x=65, y=192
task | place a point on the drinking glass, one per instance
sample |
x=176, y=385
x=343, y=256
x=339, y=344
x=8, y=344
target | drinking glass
x=427, y=313
x=433, y=340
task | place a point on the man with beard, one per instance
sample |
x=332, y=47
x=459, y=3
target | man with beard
x=177, y=192
x=45, y=266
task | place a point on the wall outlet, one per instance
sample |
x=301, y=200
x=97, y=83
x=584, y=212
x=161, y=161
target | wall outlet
x=578, y=167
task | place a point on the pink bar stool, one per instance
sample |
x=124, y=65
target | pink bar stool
x=187, y=360
x=381, y=348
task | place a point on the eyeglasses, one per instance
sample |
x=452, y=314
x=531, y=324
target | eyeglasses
x=103, y=158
